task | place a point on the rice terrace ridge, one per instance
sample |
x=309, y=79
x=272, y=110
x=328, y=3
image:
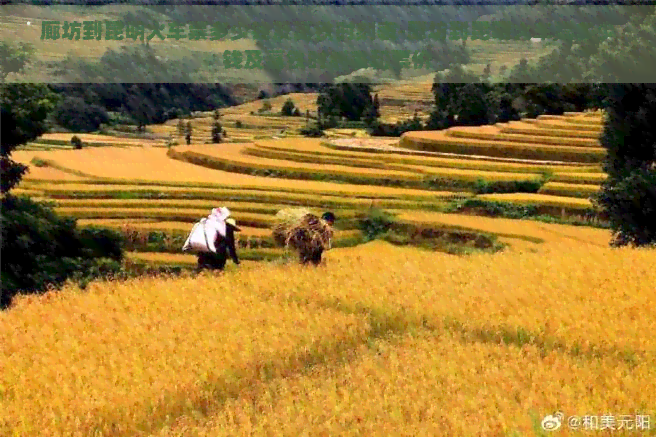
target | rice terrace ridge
x=465, y=249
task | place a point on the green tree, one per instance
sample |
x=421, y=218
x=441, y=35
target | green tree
x=45, y=249
x=470, y=105
x=349, y=100
x=188, y=131
x=216, y=132
x=14, y=57
x=288, y=108
x=74, y=114
x=376, y=103
x=628, y=196
x=76, y=142
x=446, y=88
x=24, y=112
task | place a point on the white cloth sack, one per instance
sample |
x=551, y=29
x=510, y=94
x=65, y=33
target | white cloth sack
x=202, y=236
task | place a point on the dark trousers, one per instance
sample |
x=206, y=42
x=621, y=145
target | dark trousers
x=312, y=256
x=211, y=261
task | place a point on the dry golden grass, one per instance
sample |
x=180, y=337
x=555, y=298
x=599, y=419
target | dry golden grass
x=152, y=164
x=380, y=341
x=437, y=385
x=124, y=356
x=183, y=259
x=49, y=173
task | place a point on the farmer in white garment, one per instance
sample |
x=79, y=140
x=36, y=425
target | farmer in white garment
x=224, y=241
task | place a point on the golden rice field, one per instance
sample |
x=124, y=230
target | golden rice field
x=152, y=164
x=318, y=150
x=380, y=341
x=541, y=199
x=440, y=141
x=150, y=191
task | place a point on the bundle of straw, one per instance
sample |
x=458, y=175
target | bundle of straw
x=300, y=229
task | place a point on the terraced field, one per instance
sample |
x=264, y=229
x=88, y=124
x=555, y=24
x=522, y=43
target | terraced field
x=154, y=194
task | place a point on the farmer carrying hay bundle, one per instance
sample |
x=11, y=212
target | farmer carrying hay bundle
x=305, y=232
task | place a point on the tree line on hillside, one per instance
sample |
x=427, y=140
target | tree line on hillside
x=464, y=99
x=39, y=248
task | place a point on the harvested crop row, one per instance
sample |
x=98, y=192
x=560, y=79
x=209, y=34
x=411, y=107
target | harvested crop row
x=588, y=122
x=542, y=130
x=49, y=173
x=549, y=124
x=170, y=227
x=288, y=170
x=262, y=208
x=125, y=358
x=360, y=146
x=289, y=149
x=455, y=173
x=232, y=154
x=439, y=142
x=569, y=190
x=580, y=178
x=528, y=140
x=117, y=222
x=525, y=229
x=180, y=215
x=152, y=166
x=98, y=190
x=62, y=138
x=538, y=199
x=183, y=228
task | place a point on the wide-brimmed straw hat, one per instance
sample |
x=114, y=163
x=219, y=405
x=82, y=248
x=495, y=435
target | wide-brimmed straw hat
x=233, y=223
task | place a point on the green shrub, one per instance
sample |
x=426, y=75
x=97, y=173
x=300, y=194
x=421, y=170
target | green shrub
x=76, y=142
x=375, y=222
x=527, y=186
x=288, y=108
x=313, y=131
x=47, y=249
